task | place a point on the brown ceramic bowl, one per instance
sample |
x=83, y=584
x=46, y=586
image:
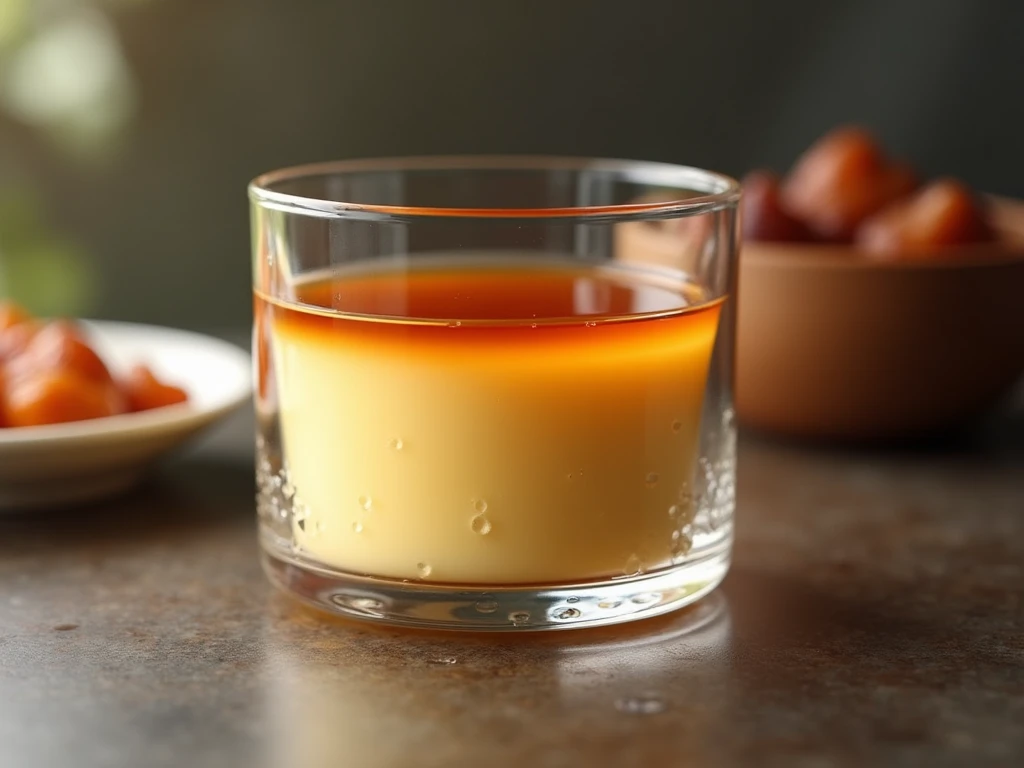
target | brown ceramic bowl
x=835, y=344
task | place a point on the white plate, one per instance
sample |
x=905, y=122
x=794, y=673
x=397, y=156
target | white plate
x=64, y=463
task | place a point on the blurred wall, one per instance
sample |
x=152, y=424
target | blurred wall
x=224, y=89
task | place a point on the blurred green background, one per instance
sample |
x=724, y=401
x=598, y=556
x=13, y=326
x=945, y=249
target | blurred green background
x=129, y=128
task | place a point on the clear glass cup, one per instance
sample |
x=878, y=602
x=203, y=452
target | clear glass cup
x=495, y=392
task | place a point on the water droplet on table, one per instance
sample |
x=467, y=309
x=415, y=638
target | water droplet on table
x=646, y=704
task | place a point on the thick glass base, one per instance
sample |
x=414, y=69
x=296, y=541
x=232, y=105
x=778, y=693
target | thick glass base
x=518, y=608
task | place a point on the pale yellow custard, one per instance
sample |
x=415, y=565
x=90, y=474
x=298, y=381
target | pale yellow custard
x=547, y=436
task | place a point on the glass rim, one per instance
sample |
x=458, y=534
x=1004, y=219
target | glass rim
x=715, y=191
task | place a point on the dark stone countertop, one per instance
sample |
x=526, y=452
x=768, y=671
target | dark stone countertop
x=873, y=616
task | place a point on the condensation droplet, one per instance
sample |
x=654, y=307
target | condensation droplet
x=728, y=418
x=645, y=598
x=480, y=524
x=365, y=502
x=673, y=511
x=677, y=425
x=519, y=618
x=445, y=660
x=396, y=443
x=633, y=566
x=647, y=704
x=533, y=325
x=479, y=505
x=591, y=324
x=568, y=613
x=357, y=527
x=318, y=527
x=569, y=476
x=651, y=480
x=456, y=324
x=609, y=604
x=485, y=606
x=682, y=542
x=573, y=599
x=423, y=569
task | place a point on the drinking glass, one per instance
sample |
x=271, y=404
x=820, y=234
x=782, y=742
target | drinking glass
x=494, y=393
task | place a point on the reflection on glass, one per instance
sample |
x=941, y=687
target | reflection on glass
x=339, y=695
x=676, y=243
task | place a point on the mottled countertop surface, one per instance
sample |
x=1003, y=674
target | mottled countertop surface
x=873, y=616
